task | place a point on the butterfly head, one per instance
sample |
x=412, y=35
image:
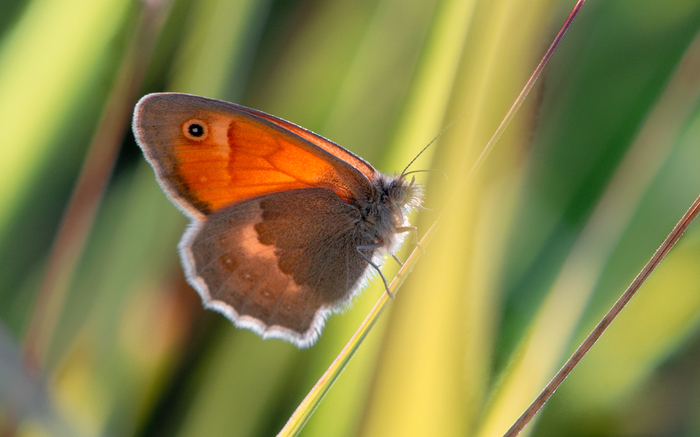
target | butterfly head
x=399, y=195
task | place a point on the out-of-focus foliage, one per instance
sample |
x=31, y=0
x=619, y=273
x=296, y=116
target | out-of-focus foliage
x=601, y=161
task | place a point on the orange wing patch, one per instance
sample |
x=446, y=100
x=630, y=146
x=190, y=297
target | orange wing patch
x=326, y=144
x=239, y=160
x=209, y=154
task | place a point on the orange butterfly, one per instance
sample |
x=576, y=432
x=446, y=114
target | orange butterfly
x=286, y=225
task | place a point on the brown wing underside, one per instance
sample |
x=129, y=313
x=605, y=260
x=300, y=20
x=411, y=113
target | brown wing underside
x=239, y=156
x=279, y=263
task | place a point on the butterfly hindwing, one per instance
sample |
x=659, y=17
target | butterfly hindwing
x=271, y=264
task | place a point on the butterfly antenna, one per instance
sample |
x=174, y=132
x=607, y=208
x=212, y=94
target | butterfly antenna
x=406, y=173
x=403, y=173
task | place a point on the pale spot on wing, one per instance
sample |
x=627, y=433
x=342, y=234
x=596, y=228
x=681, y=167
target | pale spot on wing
x=219, y=127
x=251, y=246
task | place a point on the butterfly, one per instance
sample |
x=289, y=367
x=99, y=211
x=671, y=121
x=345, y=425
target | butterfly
x=286, y=226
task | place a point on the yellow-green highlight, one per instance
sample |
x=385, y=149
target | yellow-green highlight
x=67, y=39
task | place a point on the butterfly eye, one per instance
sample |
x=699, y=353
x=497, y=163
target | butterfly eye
x=398, y=195
x=195, y=130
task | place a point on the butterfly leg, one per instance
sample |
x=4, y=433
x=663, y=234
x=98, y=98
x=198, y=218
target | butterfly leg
x=376, y=267
x=413, y=230
x=397, y=259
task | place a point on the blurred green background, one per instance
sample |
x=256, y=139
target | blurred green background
x=100, y=334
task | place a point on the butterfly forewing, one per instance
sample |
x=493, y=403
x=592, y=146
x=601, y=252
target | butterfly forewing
x=209, y=154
